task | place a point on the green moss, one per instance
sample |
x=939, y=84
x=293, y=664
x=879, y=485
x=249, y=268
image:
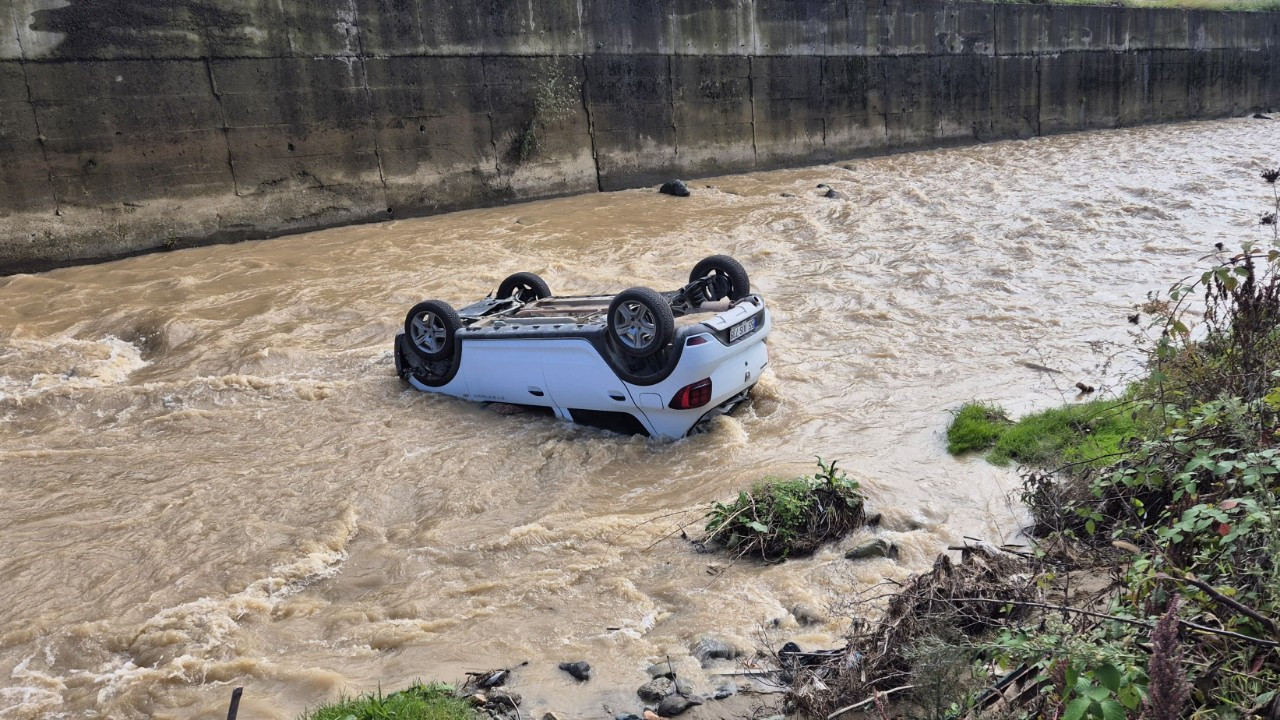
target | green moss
x=976, y=426
x=417, y=702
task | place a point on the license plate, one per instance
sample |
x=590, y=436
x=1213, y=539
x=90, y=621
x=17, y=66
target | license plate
x=742, y=328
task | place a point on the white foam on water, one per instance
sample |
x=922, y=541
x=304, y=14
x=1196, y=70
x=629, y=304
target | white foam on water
x=189, y=642
x=82, y=365
x=34, y=694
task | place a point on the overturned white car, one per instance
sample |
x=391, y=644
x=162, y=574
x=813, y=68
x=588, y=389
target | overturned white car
x=640, y=361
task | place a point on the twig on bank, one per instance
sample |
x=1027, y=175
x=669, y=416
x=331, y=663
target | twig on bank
x=1128, y=621
x=868, y=701
x=1232, y=603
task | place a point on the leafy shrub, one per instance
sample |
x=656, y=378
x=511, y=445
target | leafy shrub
x=783, y=518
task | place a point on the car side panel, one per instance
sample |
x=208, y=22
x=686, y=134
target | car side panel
x=508, y=371
x=577, y=377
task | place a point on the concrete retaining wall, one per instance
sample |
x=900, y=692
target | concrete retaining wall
x=128, y=125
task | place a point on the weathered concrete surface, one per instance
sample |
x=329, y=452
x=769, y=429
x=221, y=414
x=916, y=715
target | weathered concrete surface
x=129, y=125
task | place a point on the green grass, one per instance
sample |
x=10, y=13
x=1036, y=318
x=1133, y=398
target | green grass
x=976, y=426
x=1093, y=433
x=417, y=702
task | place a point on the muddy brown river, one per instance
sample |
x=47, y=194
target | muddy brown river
x=210, y=476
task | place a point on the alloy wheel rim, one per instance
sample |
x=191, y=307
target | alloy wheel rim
x=634, y=325
x=428, y=332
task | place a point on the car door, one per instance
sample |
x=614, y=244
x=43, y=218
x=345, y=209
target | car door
x=580, y=380
x=508, y=371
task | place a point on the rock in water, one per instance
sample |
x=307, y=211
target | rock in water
x=713, y=648
x=504, y=698
x=831, y=193
x=675, y=187
x=579, y=670
x=651, y=715
x=656, y=689
x=725, y=691
x=874, y=549
x=662, y=669
x=806, y=615
x=673, y=705
x=1260, y=116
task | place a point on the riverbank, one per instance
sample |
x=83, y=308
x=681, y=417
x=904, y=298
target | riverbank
x=1162, y=502
x=283, y=515
x=134, y=134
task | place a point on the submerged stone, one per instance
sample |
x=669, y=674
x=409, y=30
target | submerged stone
x=656, y=689
x=710, y=648
x=662, y=669
x=725, y=691
x=874, y=549
x=806, y=615
x=673, y=705
x=504, y=698
x=579, y=670
x=675, y=187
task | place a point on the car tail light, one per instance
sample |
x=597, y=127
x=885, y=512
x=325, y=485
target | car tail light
x=697, y=340
x=692, y=396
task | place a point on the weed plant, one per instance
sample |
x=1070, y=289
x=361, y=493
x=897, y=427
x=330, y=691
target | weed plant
x=777, y=519
x=435, y=701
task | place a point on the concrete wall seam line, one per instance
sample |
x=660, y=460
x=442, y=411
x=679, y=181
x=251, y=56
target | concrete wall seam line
x=226, y=136
x=591, y=127
x=35, y=115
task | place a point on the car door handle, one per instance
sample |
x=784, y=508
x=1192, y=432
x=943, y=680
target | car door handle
x=618, y=396
x=536, y=392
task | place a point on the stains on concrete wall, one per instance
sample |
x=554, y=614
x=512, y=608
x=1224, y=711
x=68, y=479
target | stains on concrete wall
x=134, y=124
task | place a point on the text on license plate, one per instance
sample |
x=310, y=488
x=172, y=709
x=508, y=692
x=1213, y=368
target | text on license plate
x=742, y=328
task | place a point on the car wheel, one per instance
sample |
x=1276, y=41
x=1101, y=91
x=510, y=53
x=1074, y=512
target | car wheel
x=398, y=352
x=430, y=327
x=640, y=321
x=726, y=278
x=524, y=286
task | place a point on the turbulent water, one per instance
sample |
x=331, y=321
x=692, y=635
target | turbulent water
x=210, y=476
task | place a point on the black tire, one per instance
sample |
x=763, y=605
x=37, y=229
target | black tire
x=640, y=322
x=430, y=328
x=728, y=279
x=398, y=352
x=530, y=287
